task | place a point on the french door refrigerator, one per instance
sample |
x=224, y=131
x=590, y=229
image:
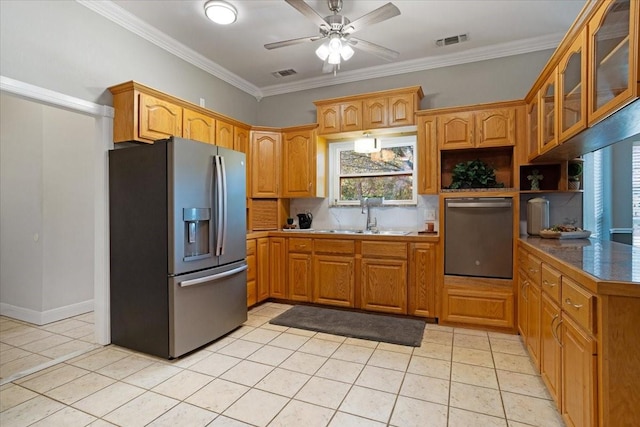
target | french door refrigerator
x=178, y=245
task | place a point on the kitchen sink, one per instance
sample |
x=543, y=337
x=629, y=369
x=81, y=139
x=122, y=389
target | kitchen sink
x=367, y=232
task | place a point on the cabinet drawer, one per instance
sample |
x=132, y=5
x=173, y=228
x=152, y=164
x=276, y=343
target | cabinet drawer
x=297, y=244
x=551, y=282
x=532, y=268
x=251, y=247
x=579, y=304
x=384, y=249
x=334, y=246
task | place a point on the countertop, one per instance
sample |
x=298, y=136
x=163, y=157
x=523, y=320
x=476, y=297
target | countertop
x=607, y=261
x=411, y=237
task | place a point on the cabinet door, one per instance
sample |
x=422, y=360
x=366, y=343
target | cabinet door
x=455, y=131
x=299, y=278
x=422, y=298
x=265, y=164
x=613, y=57
x=262, y=266
x=159, y=119
x=550, y=349
x=298, y=171
x=351, y=116
x=224, y=134
x=523, y=283
x=533, y=129
x=427, y=156
x=198, y=127
x=548, y=114
x=533, y=323
x=334, y=280
x=402, y=110
x=376, y=113
x=578, y=376
x=572, y=90
x=329, y=119
x=277, y=269
x=241, y=143
x=495, y=128
x=383, y=285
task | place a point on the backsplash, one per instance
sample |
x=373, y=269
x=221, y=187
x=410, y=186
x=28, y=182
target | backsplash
x=564, y=208
x=409, y=218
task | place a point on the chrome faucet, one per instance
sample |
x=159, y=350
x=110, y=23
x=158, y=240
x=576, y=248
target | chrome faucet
x=367, y=203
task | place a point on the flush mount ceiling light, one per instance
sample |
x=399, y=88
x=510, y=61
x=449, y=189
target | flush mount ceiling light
x=366, y=145
x=220, y=12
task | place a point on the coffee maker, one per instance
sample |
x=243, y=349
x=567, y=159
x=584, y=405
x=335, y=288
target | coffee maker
x=304, y=220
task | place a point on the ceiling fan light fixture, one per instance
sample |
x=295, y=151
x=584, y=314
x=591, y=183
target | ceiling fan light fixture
x=366, y=145
x=323, y=51
x=346, y=52
x=220, y=12
x=334, y=58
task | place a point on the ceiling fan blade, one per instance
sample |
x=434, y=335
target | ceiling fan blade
x=374, y=49
x=291, y=42
x=308, y=11
x=382, y=13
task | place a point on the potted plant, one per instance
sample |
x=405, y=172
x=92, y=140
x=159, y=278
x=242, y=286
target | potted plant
x=574, y=170
x=474, y=174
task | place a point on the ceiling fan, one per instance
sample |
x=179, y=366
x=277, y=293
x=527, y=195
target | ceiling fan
x=338, y=30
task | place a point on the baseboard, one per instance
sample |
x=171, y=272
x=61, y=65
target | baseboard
x=44, y=317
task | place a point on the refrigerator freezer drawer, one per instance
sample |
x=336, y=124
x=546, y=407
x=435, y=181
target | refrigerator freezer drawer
x=206, y=305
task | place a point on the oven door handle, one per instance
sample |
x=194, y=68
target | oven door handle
x=213, y=277
x=479, y=204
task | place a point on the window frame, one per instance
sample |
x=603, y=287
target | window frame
x=335, y=148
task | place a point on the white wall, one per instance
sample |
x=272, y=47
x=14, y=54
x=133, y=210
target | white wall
x=47, y=221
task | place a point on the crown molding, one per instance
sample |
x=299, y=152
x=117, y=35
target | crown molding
x=118, y=15
x=473, y=55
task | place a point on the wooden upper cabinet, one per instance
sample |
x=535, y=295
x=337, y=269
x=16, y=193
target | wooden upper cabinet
x=298, y=161
x=198, y=127
x=533, y=129
x=241, y=139
x=455, y=130
x=159, y=119
x=572, y=89
x=377, y=110
x=265, y=164
x=351, y=116
x=427, y=147
x=613, y=57
x=496, y=128
x=224, y=134
x=329, y=118
x=549, y=114
x=402, y=109
x=375, y=113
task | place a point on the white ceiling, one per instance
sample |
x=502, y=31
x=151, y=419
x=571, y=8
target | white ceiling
x=236, y=53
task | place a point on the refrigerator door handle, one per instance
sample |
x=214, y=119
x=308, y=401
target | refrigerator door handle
x=213, y=277
x=224, y=205
x=219, y=195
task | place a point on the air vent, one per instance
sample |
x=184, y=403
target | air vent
x=284, y=73
x=447, y=41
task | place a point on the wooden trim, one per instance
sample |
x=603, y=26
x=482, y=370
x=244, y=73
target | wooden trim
x=367, y=95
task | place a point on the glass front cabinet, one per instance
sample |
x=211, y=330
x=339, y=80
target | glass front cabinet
x=572, y=99
x=548, y=114
x=613, y=47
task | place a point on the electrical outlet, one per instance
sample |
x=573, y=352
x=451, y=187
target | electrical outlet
x=430, y=215
x=202, y=102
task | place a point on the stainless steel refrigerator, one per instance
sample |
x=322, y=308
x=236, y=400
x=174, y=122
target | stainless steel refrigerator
x=178, y=245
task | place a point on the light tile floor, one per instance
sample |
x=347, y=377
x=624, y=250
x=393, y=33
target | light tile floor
x=266, y=375
x=24, y=346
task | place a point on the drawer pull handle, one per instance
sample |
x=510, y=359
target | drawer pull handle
x=546, y=282
x=576, y=306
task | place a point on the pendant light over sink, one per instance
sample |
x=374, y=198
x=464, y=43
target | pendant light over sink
x=366, y=144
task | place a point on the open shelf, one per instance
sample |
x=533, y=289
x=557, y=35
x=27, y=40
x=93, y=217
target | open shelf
x=500, y=159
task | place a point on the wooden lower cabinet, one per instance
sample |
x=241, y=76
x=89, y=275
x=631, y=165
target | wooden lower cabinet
x=478, y=303
x=422, y=279
x=523, y=282
x=334, y=280
x=252, y=290
x=277, y=268
x=384, y=285
x=262, y=266
x=550, y=348
x=299, y=269
x=579, y=376
x=533, y=322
